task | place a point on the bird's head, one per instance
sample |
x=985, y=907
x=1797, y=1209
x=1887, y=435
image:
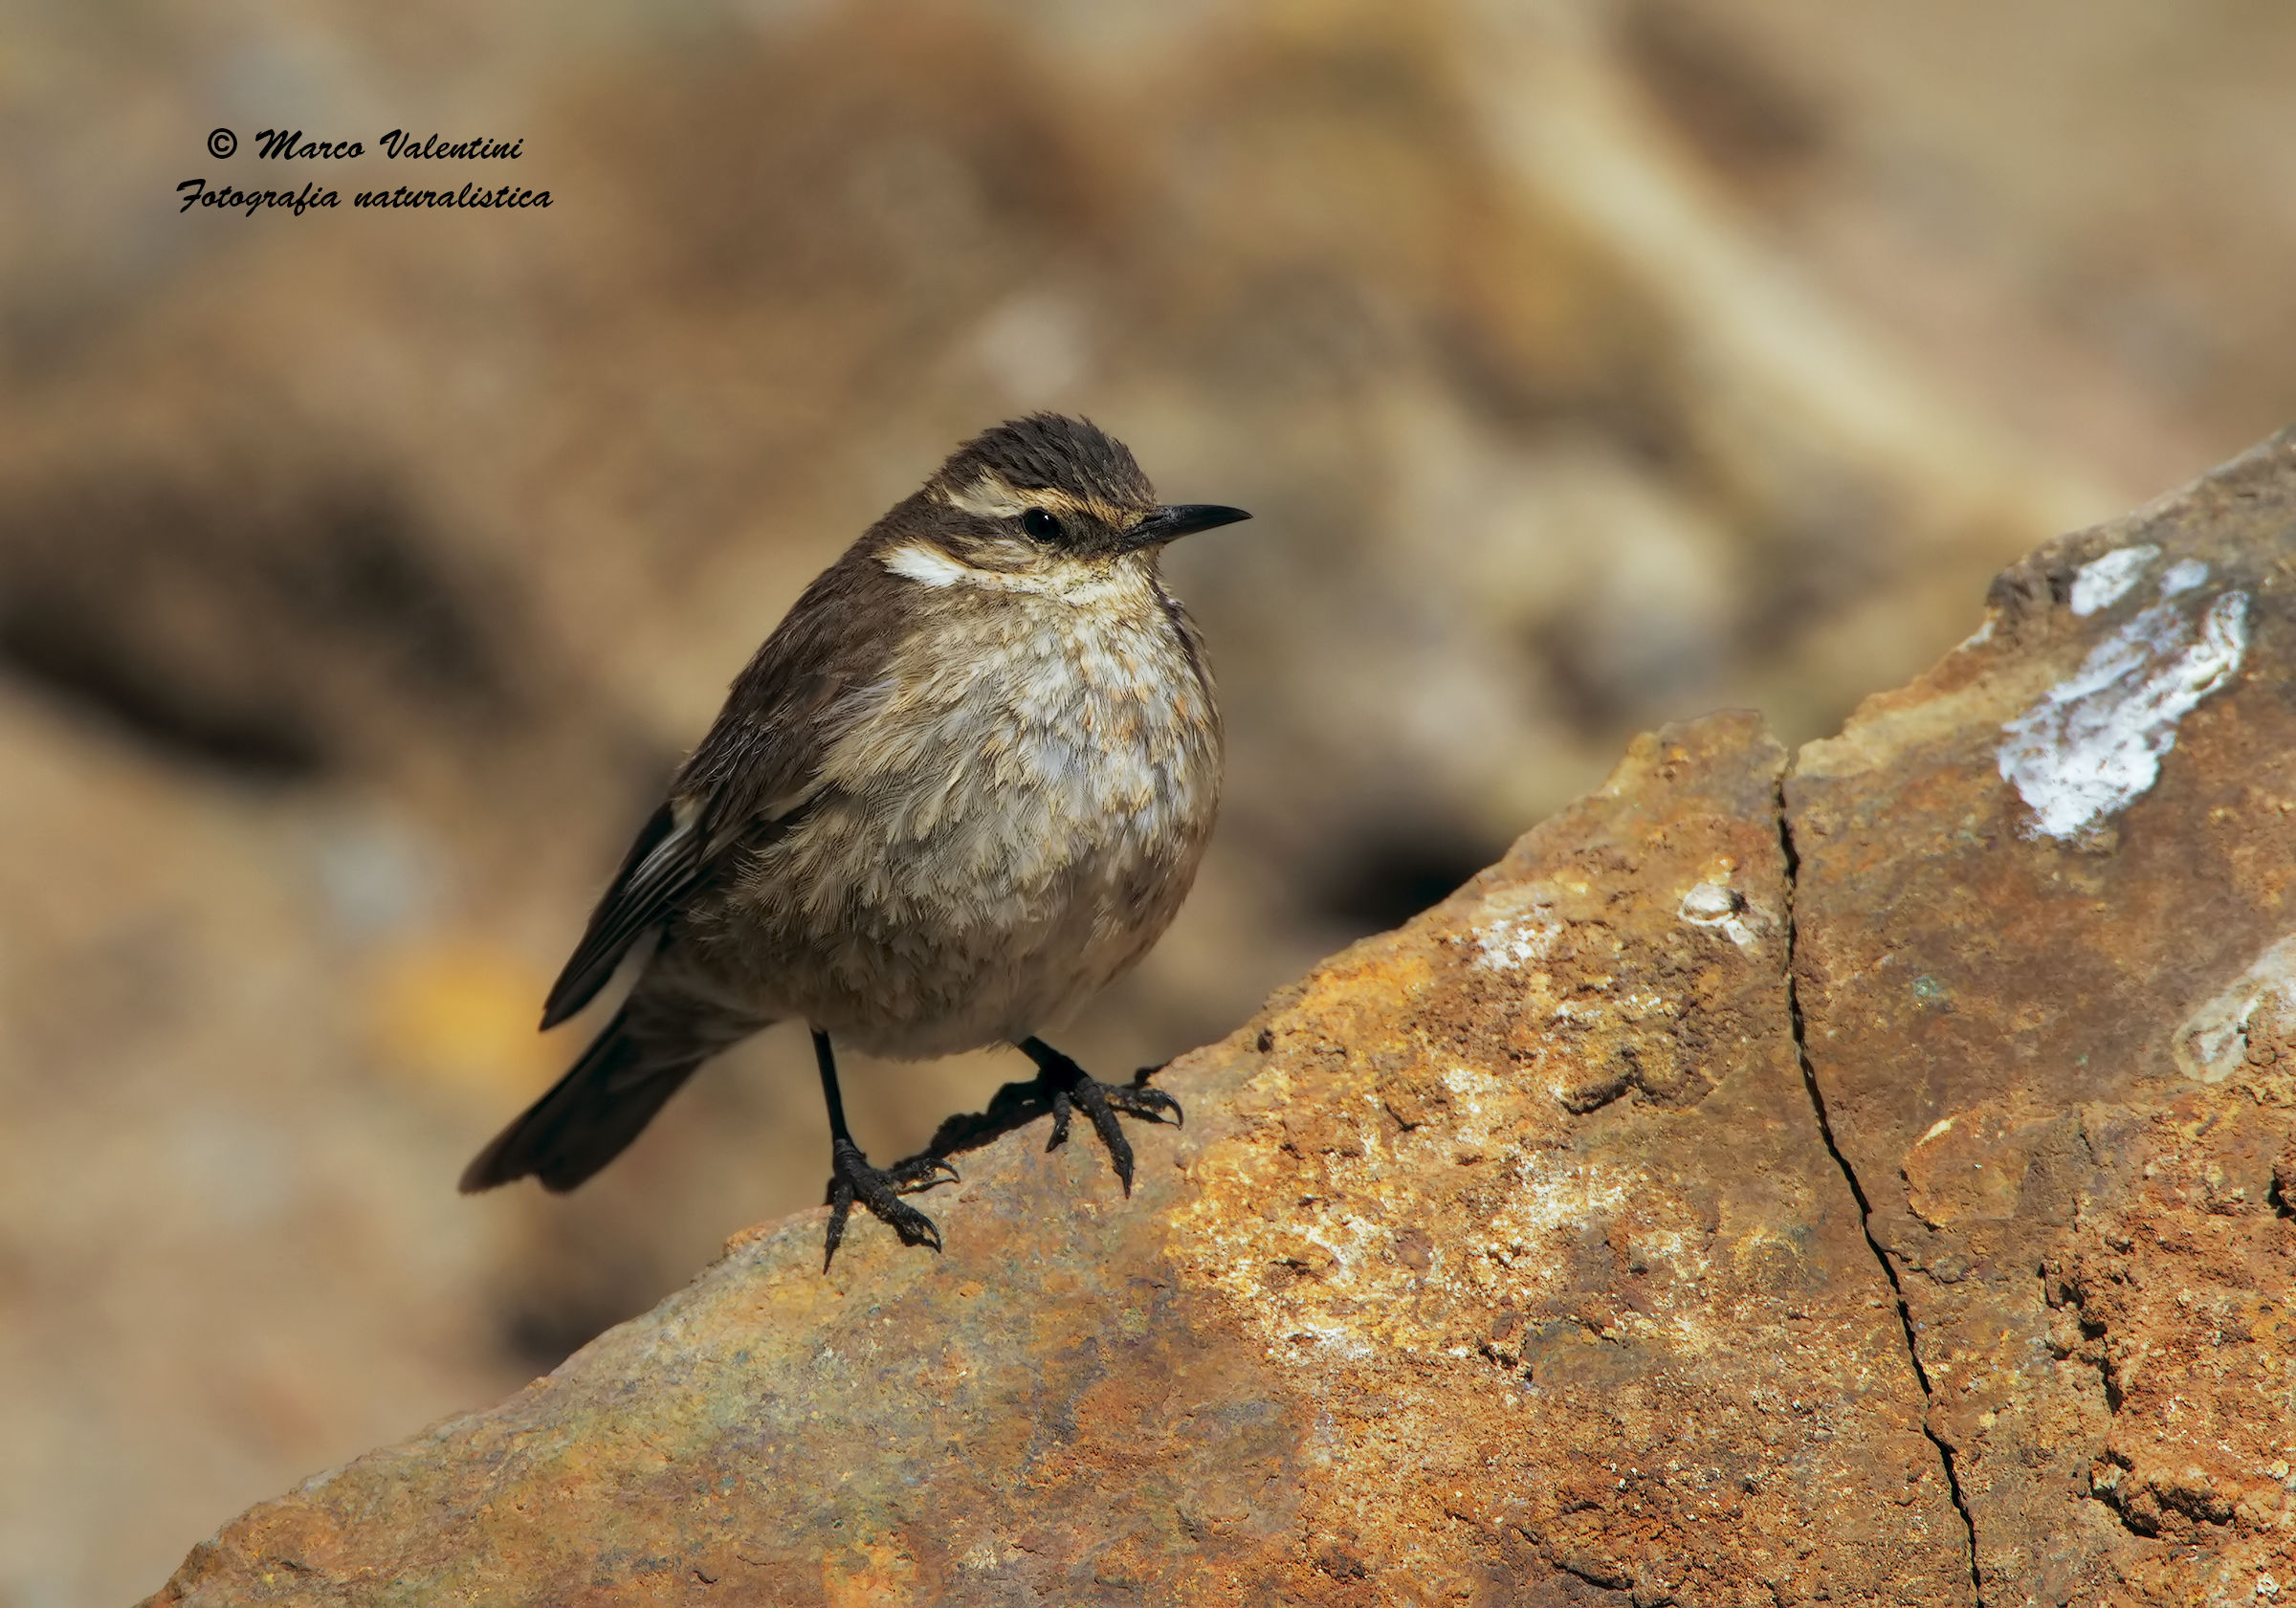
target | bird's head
x=1049, y=494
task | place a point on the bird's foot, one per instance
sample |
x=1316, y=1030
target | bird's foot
x=880, y=1189
x=1067, y=1086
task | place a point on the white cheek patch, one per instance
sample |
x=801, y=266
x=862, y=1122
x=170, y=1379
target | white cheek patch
x=931, y=566
x=1073, y=583
x=927, y=566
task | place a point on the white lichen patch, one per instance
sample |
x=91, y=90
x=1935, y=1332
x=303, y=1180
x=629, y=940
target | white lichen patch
x=2101, y=583
x=2182, y=577
x=1371, y=1206
x=1471, y=1091
x=1551, y=1195
x=2093, y=745
x=1321, y=1282
x=2230, y=1030
x=1519, y=927
x=1721, y=906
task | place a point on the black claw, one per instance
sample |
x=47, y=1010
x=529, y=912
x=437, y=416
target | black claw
x=1140, y=1100
x=1157, y=1098
x=1066, y=1086
x=1094, y=1098
x=915, y=1228
x=841, y=1204
x=880, y=1190
x=921, y=1171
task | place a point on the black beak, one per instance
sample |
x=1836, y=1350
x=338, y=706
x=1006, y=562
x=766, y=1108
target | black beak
x=1181, y=518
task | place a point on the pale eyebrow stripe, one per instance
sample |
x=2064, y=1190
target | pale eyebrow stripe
x=993, y=497
x=988, y=496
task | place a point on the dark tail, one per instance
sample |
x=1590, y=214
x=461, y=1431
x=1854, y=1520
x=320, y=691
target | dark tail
x=592, y=1113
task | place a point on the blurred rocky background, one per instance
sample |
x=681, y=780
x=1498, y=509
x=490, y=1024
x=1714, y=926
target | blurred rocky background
x=1587, y=363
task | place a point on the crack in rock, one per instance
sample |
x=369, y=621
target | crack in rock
x=1857, y=1190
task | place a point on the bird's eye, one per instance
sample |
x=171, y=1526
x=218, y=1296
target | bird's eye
x=1040, y=525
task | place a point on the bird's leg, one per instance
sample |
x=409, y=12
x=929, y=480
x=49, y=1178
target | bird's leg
x=879, y=1188
x=1066, y=1085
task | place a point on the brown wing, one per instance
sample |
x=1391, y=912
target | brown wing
x=755, y=768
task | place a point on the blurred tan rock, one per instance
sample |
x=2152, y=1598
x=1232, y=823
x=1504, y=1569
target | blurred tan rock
x=1589, y=363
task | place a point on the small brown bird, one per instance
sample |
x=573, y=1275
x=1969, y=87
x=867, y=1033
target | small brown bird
x=964, y=784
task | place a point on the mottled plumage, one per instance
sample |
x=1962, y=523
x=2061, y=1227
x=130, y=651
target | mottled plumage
x=963, y=784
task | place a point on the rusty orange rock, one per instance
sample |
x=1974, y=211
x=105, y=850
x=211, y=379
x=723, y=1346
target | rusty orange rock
x=1867, y=1183
x=1502, y=1254
x=2043, y=914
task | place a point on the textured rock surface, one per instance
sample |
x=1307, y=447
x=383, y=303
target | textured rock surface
x=2055, y=1043
x=1867, y=1184
x=1503, y=1256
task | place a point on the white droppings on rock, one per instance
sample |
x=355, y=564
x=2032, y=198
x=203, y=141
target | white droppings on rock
x=2232, y=1030
x=2101, y=583
x=2093, y=745
x=1719, y=906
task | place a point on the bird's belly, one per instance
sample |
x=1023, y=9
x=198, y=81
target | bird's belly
x=1027, y=852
